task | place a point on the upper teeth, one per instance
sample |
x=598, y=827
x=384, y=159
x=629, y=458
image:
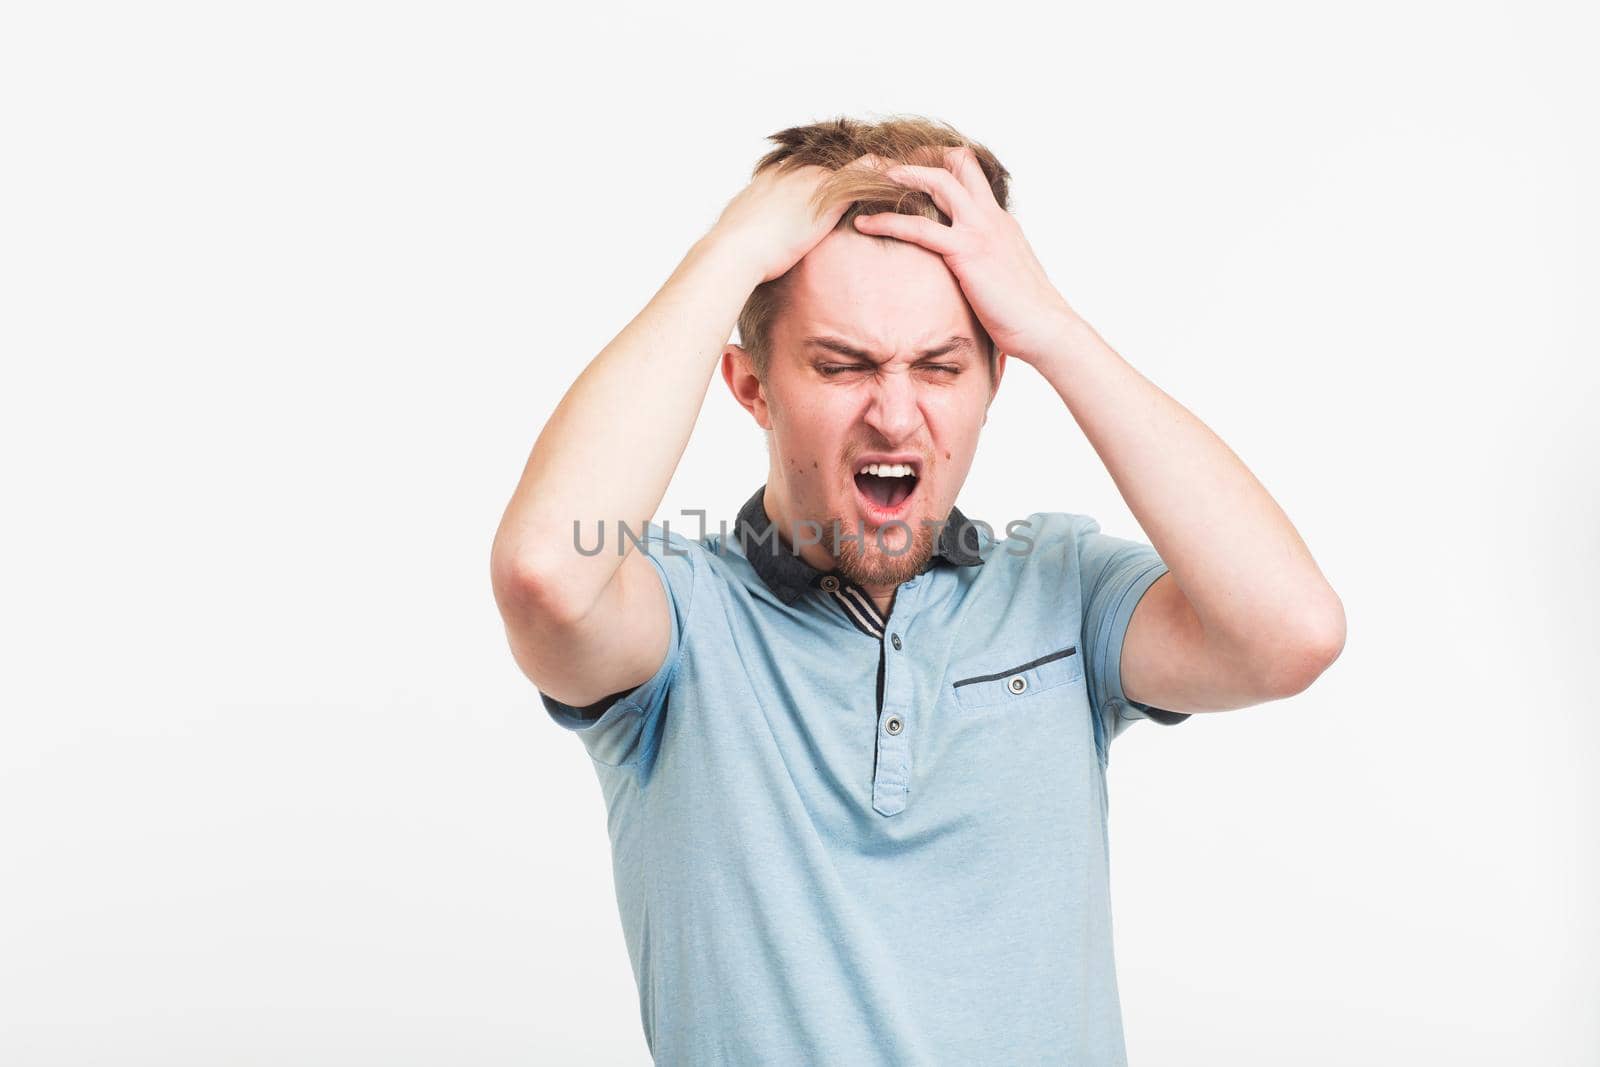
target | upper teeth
x=887, y=470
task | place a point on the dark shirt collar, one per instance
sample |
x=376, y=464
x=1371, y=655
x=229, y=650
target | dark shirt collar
x=788, y=574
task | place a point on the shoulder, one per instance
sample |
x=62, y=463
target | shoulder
x=698, y=567
x=1041, y=538
x=682, y=562
x=665, y=541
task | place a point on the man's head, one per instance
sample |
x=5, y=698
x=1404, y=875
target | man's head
x=866, y=349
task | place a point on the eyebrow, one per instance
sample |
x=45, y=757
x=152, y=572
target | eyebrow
x=954, y=343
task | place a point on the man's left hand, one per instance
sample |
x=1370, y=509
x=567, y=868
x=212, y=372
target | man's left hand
x=984, y=248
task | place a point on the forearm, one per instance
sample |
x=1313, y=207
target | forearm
x=1240, y=563
x=608, y=451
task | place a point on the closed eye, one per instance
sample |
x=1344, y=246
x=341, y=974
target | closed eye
x=830, y=370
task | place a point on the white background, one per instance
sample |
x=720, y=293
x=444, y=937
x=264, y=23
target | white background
x=289, y=290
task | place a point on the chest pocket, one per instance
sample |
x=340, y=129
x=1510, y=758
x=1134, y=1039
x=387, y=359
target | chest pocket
x=1014, y=686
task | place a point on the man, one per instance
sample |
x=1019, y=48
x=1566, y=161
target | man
x=854, y=750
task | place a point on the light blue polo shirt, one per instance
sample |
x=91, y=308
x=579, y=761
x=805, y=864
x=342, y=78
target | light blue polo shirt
x=843, y=838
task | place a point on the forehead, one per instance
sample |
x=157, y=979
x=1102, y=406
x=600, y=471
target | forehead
x=889, y=299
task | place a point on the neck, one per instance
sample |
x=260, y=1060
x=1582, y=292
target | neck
x=777, y=510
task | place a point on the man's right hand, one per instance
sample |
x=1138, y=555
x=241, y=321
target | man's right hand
x=774, y=221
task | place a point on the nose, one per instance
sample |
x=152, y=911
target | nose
x=894, y=411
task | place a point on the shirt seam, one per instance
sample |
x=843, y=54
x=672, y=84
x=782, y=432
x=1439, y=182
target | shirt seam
x=1121, y=697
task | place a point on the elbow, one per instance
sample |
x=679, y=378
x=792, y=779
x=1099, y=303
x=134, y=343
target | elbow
x=1299, y=661
x=525, y=588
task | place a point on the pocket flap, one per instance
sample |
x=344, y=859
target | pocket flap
x=1020, y=681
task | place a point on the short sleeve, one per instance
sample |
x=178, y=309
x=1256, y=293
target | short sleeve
x=1113, y=574
x=616, y=729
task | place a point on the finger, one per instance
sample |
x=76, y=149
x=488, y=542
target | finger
x=963, y=163
x=935, y=236
x=947, y=192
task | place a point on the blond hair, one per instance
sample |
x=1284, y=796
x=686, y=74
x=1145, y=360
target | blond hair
x=835, y=144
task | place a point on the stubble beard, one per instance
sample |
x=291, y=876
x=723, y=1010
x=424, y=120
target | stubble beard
x=878, y=566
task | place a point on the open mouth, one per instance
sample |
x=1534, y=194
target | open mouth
x=886, y=494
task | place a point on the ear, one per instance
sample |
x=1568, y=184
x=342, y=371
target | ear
x=738, y=370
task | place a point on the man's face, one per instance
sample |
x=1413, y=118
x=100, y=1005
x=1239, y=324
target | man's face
x=918, y=392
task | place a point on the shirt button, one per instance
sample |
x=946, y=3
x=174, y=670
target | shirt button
x=893, y=725
x=830, y=583
x=895, y=638
x=1017, y=684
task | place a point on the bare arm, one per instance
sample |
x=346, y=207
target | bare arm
x=1245, y=615
x=606, y=456
x=584, y=627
